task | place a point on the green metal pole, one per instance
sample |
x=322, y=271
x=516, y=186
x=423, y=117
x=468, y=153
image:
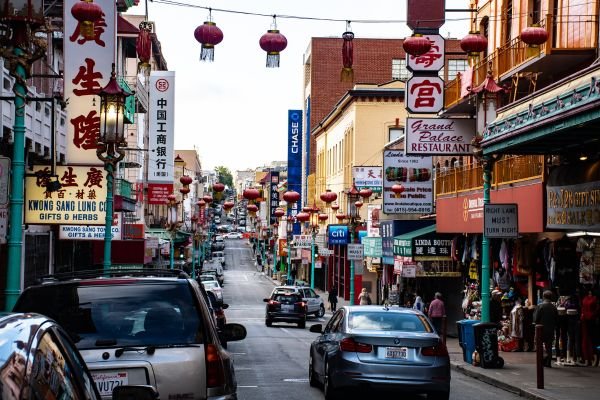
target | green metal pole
x=194, y=256
x=15, y=215
x=351, y=272
x=289, y=261
x=275, y=258
x=485, y=246
x=172, y=253
x=109, y=216
x=312, y=262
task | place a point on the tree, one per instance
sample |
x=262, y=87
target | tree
x=224, y=175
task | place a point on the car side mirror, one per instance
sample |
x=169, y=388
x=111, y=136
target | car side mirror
x=234, y=332
x=316, y=328
x=266, y=300
x=137, y=392
x=224, y=306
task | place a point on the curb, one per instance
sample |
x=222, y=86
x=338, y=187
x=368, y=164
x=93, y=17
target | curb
x=460, y=367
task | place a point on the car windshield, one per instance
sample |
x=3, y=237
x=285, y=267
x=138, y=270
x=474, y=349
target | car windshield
x=287, y=298
x=119, y=314
x=388, y=321
x=210, y=284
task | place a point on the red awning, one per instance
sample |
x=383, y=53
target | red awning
x=126, y=27
x=489, y=85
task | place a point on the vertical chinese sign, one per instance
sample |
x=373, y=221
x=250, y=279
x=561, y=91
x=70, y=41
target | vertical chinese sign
x=274, y=196
x=425, y=90
x=87, y=69
x=162, y=134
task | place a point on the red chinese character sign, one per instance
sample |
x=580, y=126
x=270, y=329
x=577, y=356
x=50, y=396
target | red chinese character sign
x=433, y=60
x=424, y=94
x=88, y=62
x=79, y=201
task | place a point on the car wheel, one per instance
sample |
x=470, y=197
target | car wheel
x=268, y=322
x=328, y=389
x=321, y=311
x=438, y=396
x=302, y=324
x=312, y=376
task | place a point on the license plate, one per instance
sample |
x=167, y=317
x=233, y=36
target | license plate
x=395, y=352
x=287, y=307
x=107, y=381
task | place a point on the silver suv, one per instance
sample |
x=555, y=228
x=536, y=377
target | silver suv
x=142, y=330
x=313, y=301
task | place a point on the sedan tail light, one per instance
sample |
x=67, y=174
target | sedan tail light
x=215, y=371
x=301, y=304
x=349, y=344
x=439, y=350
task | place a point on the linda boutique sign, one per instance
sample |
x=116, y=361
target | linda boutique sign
x=439, y=136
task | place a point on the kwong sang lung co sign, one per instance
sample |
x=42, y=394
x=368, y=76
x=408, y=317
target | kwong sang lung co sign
x=439, y=136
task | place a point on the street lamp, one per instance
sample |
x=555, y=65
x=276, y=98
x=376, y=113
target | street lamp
x=110, y=147
x=289, y=227
x=290, y=197
x=353, y=215
x=20, y=47
x=315, y=222
x=194, y=221
x=172, y=222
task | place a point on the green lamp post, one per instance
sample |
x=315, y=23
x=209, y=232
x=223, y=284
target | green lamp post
x=172, y=223
x=194, y=222
x=352, y=209
x=290, y=197
x=20, y=47
x=110, y=148
x=314, y=230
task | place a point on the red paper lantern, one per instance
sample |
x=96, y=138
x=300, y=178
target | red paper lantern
x=303, y=216
x=335, y=206
x=347, y=74
x=228, y=205
x=358, y=204
x=252, y=208
x=534, y=35
x=184, y=190
x=185, y=180
x=143, y=47
x=328, y=197
x=208, y=35
x=340, y=217
x=365, y=193
x=201, y=203
x=473, y=44
x=273, y=43
x=207, y=198
x=416, y=45
x=323, y=217
x=279, y=212
x=218, y=187
x=291, y=196
x=87, y=14
x=397, y=189
x=171, y=198
x=251, y=194
x=307, y=209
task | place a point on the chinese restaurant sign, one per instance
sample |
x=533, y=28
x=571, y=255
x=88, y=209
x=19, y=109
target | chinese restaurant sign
x=425, y=94
x=433, y=60
x=368, y=178
x=414, y=173
x=274, y=196
x=161, y=126
x=87, y=69
x=80, y=200
x=439, y=136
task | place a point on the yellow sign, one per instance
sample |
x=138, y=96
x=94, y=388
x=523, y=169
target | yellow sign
x=79, y=201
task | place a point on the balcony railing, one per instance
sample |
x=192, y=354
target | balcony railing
x=508, y=170
x=570, y=32
x=123, y=188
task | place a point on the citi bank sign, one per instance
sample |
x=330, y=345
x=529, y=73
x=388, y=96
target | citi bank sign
x=337, y=234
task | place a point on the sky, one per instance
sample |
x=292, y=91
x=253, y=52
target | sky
x=234, y=110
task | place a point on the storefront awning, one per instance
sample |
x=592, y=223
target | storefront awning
x=403, y=243
x=180, y=236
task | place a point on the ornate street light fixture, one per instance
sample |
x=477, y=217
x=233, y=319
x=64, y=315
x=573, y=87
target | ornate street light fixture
x=110, y=147
x=315, y=222
x=352, y=208
x=20, y=48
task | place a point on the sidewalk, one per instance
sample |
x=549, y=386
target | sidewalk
x=519, y=373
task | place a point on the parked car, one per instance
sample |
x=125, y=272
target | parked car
x=40, y=361
x=148, y=327
x=213, y=286
x=285, y=307
x=382, y=348
x=314, y=302
x=219, y=256
x=233, y=235
x=215, y=268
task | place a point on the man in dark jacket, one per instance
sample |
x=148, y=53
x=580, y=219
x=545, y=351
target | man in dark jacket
x=547, y=315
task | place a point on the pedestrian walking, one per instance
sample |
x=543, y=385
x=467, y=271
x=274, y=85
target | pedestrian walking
x=437, y=312
x=364, y=298
x=419, y=305
x=332, y=298
x=547, y=315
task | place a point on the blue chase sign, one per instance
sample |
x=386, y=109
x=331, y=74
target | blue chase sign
x=337, y=234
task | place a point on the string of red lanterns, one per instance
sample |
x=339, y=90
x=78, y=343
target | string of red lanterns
x=347, y=74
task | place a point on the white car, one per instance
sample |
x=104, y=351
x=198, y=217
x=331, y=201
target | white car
x=233, y=235
x=214, y=287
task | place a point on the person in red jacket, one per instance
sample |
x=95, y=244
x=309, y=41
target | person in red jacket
x=589, y=313
x=436, y=312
